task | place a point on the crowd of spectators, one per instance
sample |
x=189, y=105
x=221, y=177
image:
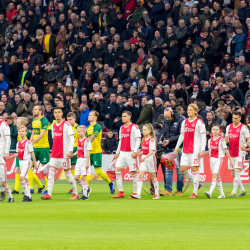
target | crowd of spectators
x=138, y=55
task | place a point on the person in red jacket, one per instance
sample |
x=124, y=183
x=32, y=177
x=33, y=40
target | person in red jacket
x=11, y=13
x=130, y=8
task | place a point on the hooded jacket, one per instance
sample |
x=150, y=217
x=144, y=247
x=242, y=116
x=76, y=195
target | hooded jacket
x=146, y=115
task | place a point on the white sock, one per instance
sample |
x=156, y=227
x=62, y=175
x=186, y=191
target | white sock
x=71, y=181
x=219, y=183
x=233, y=173
x=139, y=186
x=119, y=181
x=213, y=184
x=51, y=180
x=189, y=176
x=28, y=189
x=240, y=185
x=196, y=179
x=135, y=182
x=236, y=180
x=156, y=186
x=24, y=187
x=85, y=188
x=80, y=182
x=7, y=189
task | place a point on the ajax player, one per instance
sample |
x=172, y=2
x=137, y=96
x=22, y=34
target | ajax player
x=129, y=143
x=24, y=152
x=62, y=152
x=148, y=161
x=83, y=161
x=237, y=136
x=217, y=149
x=71, y=118
x=5, y=142
x=193, y=136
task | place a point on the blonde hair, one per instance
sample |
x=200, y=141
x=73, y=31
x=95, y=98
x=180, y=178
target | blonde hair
x=22, y=127
x=150, y=127
x=195, y=108
x=22, y=121
x=82, y=127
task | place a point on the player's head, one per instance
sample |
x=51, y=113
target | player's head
x=71, y=118
x=58, y=113
x=21, y=121
x=126, y=116
x=22, y=131
x=215, y=129
x=236, y=117
x=192, y=110
x=93, y=116
x=38, y=111
x=81, y=130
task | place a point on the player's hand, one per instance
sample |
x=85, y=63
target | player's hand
x=6, y=156
x=87, y=166
x=202, y=153
x=139, y=152
x=36, y=167
x=134, y=155
x=243, y=147
x=116, y=156
x=142, y=159
x=231, y=164
x=175, y=152
x=69, y=155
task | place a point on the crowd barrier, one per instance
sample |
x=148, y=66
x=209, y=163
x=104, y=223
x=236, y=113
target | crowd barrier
x=205, y=172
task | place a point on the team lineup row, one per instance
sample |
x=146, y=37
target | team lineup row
x=76, y=148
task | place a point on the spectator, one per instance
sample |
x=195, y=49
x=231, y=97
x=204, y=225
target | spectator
x=8, y=106
x=3, y=83
x=25, y=108
x=84, y=114
x=209, y=124
x=158, y=110
x=24, y=75
x=110, y=143
x=146, y=115
x=236, y=92
x=13, y=132
x=243, y=67
x=129, y=106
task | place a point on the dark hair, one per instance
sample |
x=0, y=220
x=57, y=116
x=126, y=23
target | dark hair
x=58, y=108
x=127, y=112
x=215, y=125
x=237, y=113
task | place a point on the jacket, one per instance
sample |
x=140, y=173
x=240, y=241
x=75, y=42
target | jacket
x=157, y=111
x=138, y=13
x=84, y=117
x=146, y=115
x=110, y=144
x=3, y=86
x=35, y=59
x=52, y=45
x=148, y=32
x=4, y=69
x=20, y=111
x=157, y=11
x=181, y=78
x=114, y=111
x=28, y=77
x=173, y=58
x=204, y=72
x=172, y=129
x=13, y=136
x=238, y=95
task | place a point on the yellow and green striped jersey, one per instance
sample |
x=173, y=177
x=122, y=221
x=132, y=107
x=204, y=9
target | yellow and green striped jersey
x=37, y=126
x=95, y=129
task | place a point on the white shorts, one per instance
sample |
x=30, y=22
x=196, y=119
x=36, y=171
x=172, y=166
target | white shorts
x=81, y=167
x=190, y=160
x=149, y=165
x=60, y=163
x=25, y=166
x=215, y=165
x=3, y=172
x=238, y=163
x=125, y=159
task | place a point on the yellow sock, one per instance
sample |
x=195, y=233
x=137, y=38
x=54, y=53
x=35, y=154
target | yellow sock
x=30, y=177
x=47, y=183
x=38, y=182
x=73, y=172
x=87, y=179
x=102, y=175
x=17, y=182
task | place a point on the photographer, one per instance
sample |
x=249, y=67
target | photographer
x=171, y=132
x=25, y=108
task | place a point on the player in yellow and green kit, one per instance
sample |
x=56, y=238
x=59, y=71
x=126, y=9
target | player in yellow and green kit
x=21, y=121
x=40, y=139
x=71, y=118
x=94, y=133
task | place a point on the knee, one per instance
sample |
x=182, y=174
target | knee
x=22, y=178
x=4, y=184
x=18, y=171
x=76, y=177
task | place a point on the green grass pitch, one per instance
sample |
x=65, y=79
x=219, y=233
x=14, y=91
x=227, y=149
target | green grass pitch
x=106, y=223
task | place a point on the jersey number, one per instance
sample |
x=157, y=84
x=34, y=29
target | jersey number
x=195, y=161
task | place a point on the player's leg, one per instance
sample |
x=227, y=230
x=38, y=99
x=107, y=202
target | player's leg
x=242, y=189
x=236, y=172
x=156, y=185
x=25, y=167
x=180, y=177
x=84, y=188
x=17, y=177
x=8, y=191
x=214, y=165
x=44, y=159
x=73, y=167
x=219, y=184
x=196, y=181
x=67, y=170
x=3, y=182
x=140, y=182
x=185, y=163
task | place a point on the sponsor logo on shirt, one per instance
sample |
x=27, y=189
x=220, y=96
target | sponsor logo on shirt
x=214, y=147
x=233, y=135
x=189, y=130
x=124, y=135
x=57, y=134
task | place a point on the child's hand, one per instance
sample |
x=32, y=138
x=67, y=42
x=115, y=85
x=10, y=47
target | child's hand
x=87, y=166
x=231, y=164
x=142, y=159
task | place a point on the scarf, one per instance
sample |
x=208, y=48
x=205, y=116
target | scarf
x=29, y=57
x=248, y=41
x=44, y=41
x=140, y=59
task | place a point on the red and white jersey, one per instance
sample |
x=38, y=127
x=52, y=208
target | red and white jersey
x=192, y=131
x=4, y=135
x=61, y=141
x=2, y=161
x=217, y=147
x=128, y=137
x=237, y=136
x=82, y=147
x=148, y=145
x=24, y=149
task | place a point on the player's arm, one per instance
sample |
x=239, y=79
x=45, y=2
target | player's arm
x=180, y=140
x=229, y=157
x=75, y=153
x=119, y=146
x=92, y=137
x=88, y=158
x=226, y=135
x=246, y=135
x=7, y=141
x=39, y=137
x=12, y=156
x=151, y=152
x=32, y=136
x=34, y=159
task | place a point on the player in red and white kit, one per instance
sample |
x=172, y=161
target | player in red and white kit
x=62, y=152
x=217, y=149
x=129, y=143
x=237, y=135
x=193, y=136
x=83, y=161
x=5, y=142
